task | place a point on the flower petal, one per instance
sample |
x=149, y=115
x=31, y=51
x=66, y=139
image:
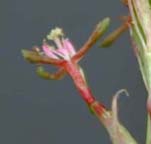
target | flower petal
x=49, y=51
x=70, y=48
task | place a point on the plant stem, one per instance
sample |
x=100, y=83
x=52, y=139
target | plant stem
x=148, y=132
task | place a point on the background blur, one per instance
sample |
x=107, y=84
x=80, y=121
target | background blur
x=37, y=111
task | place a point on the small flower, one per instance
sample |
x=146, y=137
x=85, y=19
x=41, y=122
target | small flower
x=64, y=49
x=66, y=59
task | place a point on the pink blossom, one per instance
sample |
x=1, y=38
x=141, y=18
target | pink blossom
x=64, y=48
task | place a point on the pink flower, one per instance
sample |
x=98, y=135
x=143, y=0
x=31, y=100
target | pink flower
x=64, y=49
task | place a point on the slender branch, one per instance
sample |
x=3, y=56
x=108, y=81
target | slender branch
x=47, y=75
x=116, y=33
x=34, y=57
x=96, y=34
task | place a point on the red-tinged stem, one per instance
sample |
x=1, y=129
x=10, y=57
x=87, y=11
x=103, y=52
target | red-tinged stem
x=85, y=48
x=98, y=108
x=74, y=71
x=116, y=33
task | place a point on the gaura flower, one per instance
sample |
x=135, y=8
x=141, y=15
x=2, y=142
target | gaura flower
x=64, y=48
x=64, y=56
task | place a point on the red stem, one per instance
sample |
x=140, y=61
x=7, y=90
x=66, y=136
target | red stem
x=73, y=70
x=80, y=83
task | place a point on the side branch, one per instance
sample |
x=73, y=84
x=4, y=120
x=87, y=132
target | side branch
x=34, y=57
